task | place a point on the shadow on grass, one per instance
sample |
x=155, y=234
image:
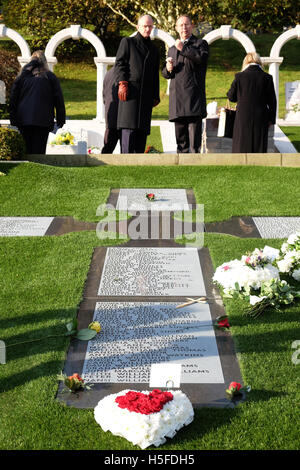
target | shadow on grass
x=7, y=167
x=22, y=377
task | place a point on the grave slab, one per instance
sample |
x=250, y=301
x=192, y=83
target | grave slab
x=277, y=227
x=156, y=325
x=24, y=226
x=150, y=271
x=40, y=226
x=138, y=334
x=165, y=199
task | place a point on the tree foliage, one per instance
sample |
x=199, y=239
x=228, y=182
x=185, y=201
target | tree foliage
x=164, y=13
x=40, y=20
x=260, y=15
x=249, y=15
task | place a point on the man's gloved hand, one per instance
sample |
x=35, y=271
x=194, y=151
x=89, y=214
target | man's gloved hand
x=123, y=91
x=155, y=102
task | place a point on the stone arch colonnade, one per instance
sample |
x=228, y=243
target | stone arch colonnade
x=76, y=32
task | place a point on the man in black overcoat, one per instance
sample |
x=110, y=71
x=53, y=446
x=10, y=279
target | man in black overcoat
x=137, y=75
x=186, y=68
x=111, y=101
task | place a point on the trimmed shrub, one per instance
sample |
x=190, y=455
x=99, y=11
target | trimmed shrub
x=12, y=145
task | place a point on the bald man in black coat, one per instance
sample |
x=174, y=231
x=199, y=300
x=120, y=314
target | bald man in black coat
x=137, y=75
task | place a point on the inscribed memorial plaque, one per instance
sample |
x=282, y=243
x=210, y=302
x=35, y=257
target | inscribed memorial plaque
x=24, y=226
x=277, y=227
x=135, y=335
x=165, y=200
x=151, y=272
x=292, y=100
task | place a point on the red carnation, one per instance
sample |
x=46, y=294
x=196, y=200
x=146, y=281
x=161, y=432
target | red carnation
x=142, y=403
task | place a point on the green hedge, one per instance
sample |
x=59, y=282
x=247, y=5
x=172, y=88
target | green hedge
x=12, y=145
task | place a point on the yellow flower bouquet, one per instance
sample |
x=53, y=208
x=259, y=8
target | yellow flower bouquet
x=65, y=138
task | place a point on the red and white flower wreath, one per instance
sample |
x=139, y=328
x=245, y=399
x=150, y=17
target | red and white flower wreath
x=144, y=418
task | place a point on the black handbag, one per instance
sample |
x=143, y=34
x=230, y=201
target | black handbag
x=229, y=122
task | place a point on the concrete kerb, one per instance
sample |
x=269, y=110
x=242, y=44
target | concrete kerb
x=190, y=159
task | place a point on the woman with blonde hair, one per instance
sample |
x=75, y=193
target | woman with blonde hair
x=254, y=92
x=36, y=97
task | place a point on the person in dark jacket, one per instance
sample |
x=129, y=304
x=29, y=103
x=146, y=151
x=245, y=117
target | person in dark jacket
x=186, y=68
x=111, y=101
x=35, y=94
x=253, y=90
x=137, y=75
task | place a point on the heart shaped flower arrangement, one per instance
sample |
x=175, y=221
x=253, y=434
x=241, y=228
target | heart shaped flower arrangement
x=144, y=418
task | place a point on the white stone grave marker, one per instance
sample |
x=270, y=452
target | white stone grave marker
x=24, y=226
x=277, y=227
x=151, y=272
x=135, y=335
x=165, y=199
x=292, y=101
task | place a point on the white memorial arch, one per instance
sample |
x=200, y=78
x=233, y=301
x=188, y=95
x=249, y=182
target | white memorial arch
x=77, y=32
x=275, y=60
x=226, y=32
x=17, y=38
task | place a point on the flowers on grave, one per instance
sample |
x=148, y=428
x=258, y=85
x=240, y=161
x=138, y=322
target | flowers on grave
x=256, y=258
x=144, y=418
x=289, y=259
x=222, y=323
x=239, y=276
x=235, y=389
x=63, y=138
x=274, y=294
x=95, y=325
x=256, y=277
x=150, y=196
x=143, y=403
x=292, y=243
x=94, y=151
x=74, y=383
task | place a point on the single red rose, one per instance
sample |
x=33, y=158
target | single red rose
x=234, y=386
x=223, y=323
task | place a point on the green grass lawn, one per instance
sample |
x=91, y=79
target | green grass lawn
x=35, y=190
x=42, y=281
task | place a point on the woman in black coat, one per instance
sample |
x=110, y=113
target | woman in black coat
x=253, y=90
x=35, y=94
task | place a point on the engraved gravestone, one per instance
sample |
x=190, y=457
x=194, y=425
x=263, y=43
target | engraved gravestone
x=2, y=92
x=277, y=227
x=165, y=200
x=24, y=226
x=151, y=272
x=292, y=101
x=135, y=335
